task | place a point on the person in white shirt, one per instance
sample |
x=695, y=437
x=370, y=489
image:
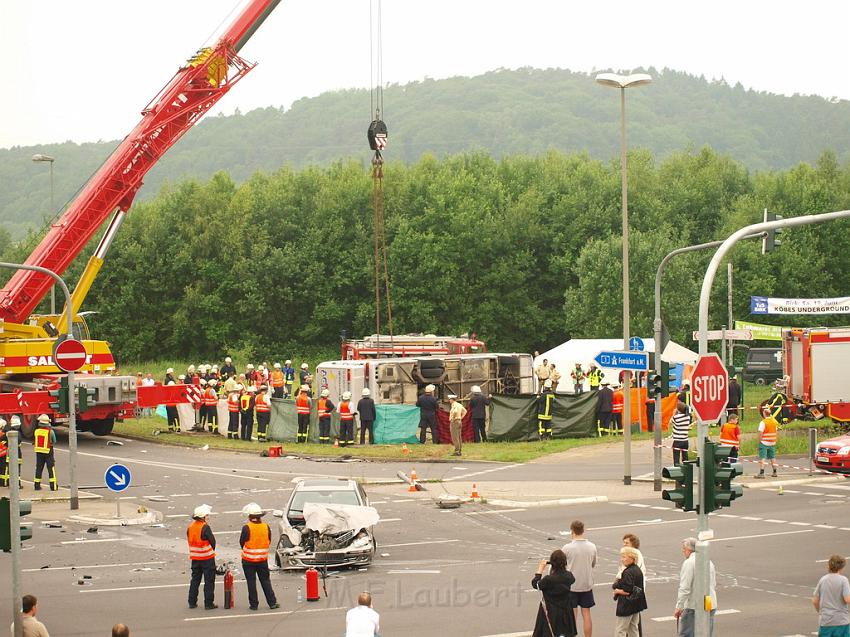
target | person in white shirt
x=581, y=560
x=362, y=621
x=686, y=600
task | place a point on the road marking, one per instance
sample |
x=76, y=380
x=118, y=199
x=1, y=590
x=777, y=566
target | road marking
x=722, y=611
x=824, y=526
x=227, y=532
x=282, y=612
x=71, y=568
x=85, y=541
x=181, y=495
x=412, y=572
x=391, y=546
x=402, y=500
x=748, y=537
x=812, y=493
x=390, y=520
x=479, y=473
x=178, y=515
x=626, y=526
x=525, y=634
x=640, y=506
x=495, y=511
x=801, y=524
x=751, y=519
x=777, y=521
x=661, y=508
x=840, y=487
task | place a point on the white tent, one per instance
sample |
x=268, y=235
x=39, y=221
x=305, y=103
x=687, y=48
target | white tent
x=675, y=353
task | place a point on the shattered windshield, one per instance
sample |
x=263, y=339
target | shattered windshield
x=321, y=497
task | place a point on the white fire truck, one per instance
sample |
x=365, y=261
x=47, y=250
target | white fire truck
x=817, y=364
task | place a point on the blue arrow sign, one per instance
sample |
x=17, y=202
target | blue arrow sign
x=117, y=477
x=633, y=361
x=636, y=344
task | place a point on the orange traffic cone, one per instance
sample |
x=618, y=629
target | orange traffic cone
x=404, y=448
x=475, y=492
x=336, y=442
x=412, y=487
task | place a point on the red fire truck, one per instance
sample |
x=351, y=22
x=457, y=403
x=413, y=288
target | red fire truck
x=816, y=362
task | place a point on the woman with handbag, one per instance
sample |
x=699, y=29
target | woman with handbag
x=555, y=616
x=628, y=592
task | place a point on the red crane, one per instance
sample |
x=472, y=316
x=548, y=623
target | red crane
x=193, y=90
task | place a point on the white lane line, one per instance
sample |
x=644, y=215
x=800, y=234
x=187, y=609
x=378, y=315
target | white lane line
x=751, y=518
x=626, y=526
x=83, y=541
x=812, y=493
x=749, y=537
x=777, y=521
x=722, y=611
x=282, y=612
x=661, y=508
x=139, y=588
x=640, y=506
x=845, y=528
x=824, y=526
x=403, y=500
x=525, y=634
x=70, y=568
x=480, y=473
x=390, y=546
x=180, y=495
x=260, y=490
x=227, y=532
x=497, y=511
x=178, y=515
x=727, y=515
x=209, y=493
x=390, y=520
x=802, y=524
x=412, y=572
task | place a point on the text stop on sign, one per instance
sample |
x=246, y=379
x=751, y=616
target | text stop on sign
x=710, y=389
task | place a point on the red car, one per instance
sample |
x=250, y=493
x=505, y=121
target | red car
x=834, y=454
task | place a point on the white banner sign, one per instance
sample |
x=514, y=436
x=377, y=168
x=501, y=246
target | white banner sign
x=769, y=305
x=731, y=335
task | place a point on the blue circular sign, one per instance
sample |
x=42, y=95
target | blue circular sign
x=636, y=344
x=117, y=477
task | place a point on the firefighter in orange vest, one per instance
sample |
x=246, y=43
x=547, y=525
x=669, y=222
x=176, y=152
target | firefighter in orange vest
x=617, y=411
x=246, y=412
x=255, y=540
x=201, y=419
x=233, y=413
x=211, y=403
x=45, y=438
x=346, y=420
x=263, y=406
x=730, y=435
x=325, y=408
x=303, y=402
x=202, y=556
x=278, y=381
x=172, y=415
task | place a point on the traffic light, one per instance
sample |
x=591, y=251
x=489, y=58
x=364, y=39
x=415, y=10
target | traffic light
x=60, y=403
x=718, y=490
x=683, y=495
x=666, y=378
x=653, y=384
x=771, y=239
x=87, y=398
x=25, y=507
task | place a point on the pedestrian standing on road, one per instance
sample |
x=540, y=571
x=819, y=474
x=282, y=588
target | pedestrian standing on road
x=303, y=405
x=456, y=415
x=581, y=560
x=246, y=413
x=263, y=407
x=604, y=408
x=362, y=620
x=478, y=404
x=31, y=626
x=367, y=414
x=730, y=435
x=555, y=613
x=544, y=411
x=202, y=555
x=578, y=376
x=427, y=414
x=255, y=540
x=45, y=439
x=633, y=541
x=346, y=420
x=831, y=599
x=120, y=630
x=681, y=428
x=768, y=433
x=734, y=397
x=325, y=408
x=629, y=594
x=687, y=601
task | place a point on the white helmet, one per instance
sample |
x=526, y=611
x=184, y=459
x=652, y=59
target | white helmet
x=170, y=370
x=249, y=366
x=288, y=362
x=366, y=392
x=476, y=389
x=2, y=423
x=451, y=397
x=305, y=387
x=228, y=360
x=44, y=419
x=277, y=365
x=304, y=366
x=548, y=384
x=213, y=382
x=261, y=366
x=190, y=369
x=346, y=395
x=326, y=392
x=181, y=377
x=429, y=389
x=252, y=508
x=15, y=421
x=202, y=511
x=215, y=368
x=203, y=381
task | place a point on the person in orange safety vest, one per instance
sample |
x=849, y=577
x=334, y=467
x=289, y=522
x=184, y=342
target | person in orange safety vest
x=730, y=435
x=233, y=413
x=278, y=381
x=768, y=433
x=255, y=540
x=617, y=411
x=303, y=403
x=44, y=440
x=263, y=407
x=325, y=408
x=202, y=556
x=346, y=420
x=211, y=403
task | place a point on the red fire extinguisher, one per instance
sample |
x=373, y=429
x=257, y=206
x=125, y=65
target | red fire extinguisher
x=228, y=588
x=312, y=576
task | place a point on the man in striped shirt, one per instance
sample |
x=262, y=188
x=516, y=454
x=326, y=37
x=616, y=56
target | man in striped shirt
x=681, y=424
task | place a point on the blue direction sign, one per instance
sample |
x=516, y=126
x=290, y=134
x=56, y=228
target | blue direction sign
x=117, y=477
x=636, y=344
x=634, y=361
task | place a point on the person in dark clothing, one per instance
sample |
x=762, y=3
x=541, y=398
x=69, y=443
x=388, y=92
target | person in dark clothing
x=255, y=540
x=227, y=370
x=367, y=414
x=629, y=594
x=202, y=555
x=544, y=411
x=685, y=393
x=604, y=406
x=427, y=414
x=478, y=407
x=246, y=414
x=555, y=614
x=734, y=398
x=324, y=409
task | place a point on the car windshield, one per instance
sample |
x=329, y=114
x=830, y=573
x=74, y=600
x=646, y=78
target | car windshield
x=321, y=497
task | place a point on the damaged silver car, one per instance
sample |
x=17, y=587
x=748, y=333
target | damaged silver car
x=326, y=524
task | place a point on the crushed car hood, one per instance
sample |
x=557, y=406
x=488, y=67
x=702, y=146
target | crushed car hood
x=338, y=518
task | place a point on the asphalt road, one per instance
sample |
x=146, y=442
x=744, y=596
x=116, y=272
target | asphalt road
x=462, y=573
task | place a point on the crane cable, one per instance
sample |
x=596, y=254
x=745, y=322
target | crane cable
x=377, y=136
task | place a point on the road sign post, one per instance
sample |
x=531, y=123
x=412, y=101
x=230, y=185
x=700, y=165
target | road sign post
x=117, y=478
x=631, y=361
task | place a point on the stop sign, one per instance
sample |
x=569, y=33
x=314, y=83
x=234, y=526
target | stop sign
x=709, y=388
x=69, y=355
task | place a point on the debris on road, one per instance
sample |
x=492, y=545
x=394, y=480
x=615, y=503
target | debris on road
x=448, y=501
x=92, y=529
x=114, y=442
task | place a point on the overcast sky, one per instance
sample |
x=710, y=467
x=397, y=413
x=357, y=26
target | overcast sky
x=83, y=69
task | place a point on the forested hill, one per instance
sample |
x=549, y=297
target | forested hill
x=504, y=112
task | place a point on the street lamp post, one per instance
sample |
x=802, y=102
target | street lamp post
x=623, y=82
x=42, y=158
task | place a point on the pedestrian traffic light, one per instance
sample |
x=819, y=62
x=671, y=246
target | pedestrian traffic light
x=770, y=241
x=60, y=402
x=87, y=398
x=25, y=508
x=653, y=384
x=718, y=490
x=683, y=495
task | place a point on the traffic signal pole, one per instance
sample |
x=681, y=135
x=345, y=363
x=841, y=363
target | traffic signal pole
x=701, y=577
x=15, y=529
x=72, y=412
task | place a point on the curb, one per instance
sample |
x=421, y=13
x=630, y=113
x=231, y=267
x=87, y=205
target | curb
x=151, y=517
x=63, y=498
x=548, y=503
x=788, y=483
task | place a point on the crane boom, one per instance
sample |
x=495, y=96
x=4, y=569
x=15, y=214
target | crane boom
x=193, y=90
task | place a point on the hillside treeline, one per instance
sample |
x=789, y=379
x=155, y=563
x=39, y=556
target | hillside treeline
x=503, y=113
x=523, y=250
